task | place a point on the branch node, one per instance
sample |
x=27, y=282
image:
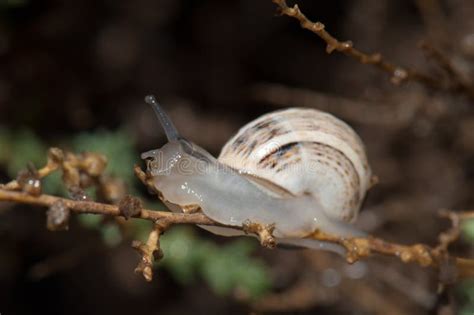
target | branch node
x=318, y=27
x=399, y=75
x=130, y=206
x=264, y=232
x=357, y=248
x=29, y=182
x=189, y=209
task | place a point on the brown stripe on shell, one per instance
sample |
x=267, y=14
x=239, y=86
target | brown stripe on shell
x=280, y=154
x=335, y=159
x=260, y=133
x=288, y=155
x=284, y=153
x=322, y=119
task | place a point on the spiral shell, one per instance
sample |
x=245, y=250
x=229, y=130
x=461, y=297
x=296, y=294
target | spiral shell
x=304, y=151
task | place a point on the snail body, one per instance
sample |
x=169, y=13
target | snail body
x=300, y=169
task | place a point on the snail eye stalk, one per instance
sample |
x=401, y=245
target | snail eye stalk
x=170, y=130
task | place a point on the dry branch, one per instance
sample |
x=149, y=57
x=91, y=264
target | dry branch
x=357, y=248
x=130, y=207
x=150, y=250
x=398, y=74
x=92, y=207
x=421, y=254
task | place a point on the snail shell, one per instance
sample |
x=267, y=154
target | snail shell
x=304, y=151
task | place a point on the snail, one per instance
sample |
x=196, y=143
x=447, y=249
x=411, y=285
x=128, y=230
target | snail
x=299, y=169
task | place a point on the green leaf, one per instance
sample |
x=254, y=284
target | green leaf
x=467, y=229
x=220, y=273
x=224, y=268
x=254, y=278
x=178, y=245
x=232, y=267
x=467, y=309
x=465, y=290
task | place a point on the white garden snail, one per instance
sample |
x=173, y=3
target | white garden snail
x=299, y=169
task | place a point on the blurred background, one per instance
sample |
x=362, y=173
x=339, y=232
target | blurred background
x=73, y=74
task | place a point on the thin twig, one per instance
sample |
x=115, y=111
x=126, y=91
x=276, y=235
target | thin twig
x=358, y=248
x=420, y=254
x=92, y=207
x=452, y=234
x=398, y=74
x=55, y=157
x=150, y=249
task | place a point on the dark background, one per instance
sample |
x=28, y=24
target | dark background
x=67, y=67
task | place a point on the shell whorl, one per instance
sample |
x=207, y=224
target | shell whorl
x=305, y=151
